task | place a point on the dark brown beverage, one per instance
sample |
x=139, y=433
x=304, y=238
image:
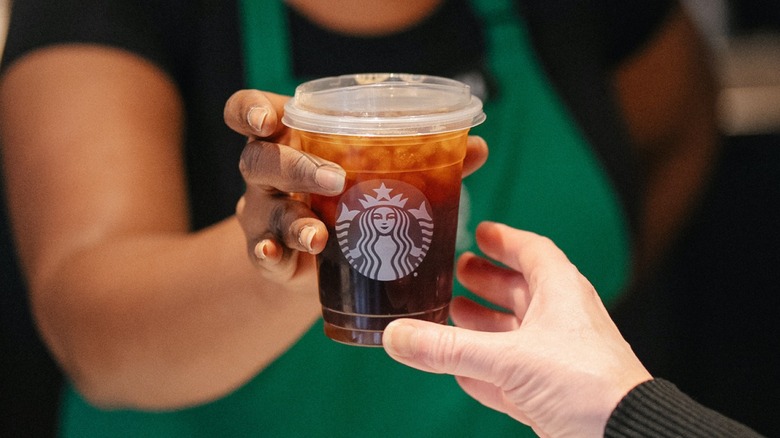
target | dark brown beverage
x=391, y=233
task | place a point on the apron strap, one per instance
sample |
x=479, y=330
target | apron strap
x=266, y=46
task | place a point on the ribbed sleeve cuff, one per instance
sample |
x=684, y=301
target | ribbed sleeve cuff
x=656, y=408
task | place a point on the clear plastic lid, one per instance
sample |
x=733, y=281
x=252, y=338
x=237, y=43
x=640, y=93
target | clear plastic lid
x=383, y=104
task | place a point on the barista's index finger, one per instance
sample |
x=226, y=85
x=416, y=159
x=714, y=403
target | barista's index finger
x=255, y=113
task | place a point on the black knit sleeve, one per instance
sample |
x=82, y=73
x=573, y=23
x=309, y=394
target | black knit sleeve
x=658, y=409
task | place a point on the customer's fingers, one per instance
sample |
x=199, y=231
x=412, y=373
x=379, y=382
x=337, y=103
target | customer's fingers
x=535, y=256
x=468, y=314
x=501, y=286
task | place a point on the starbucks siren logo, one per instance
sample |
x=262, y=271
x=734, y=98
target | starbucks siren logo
x=379, y=235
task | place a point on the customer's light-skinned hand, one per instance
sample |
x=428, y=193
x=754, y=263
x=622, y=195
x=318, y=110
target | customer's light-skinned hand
x=554, y=360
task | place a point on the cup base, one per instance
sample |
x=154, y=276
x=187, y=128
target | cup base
x=361, y=338
x=365, y=330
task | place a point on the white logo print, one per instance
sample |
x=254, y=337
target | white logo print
x=380, y=237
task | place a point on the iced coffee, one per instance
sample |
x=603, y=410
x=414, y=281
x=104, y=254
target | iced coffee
x=391, y=244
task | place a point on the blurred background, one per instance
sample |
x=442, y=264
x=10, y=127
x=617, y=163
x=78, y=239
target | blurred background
x=709, y=321
x=745, y=36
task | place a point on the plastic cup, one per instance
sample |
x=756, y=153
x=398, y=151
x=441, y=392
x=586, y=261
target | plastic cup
x=401, y=139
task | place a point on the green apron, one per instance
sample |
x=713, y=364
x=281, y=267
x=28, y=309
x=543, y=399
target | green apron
x=541, y=175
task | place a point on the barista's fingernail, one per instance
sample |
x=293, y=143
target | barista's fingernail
x=306, y=236
x=261, y=250
x=330, y=178
x=255, y=117
x=399, y=339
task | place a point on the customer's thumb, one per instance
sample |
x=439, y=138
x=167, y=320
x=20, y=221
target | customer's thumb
x=438, y=348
